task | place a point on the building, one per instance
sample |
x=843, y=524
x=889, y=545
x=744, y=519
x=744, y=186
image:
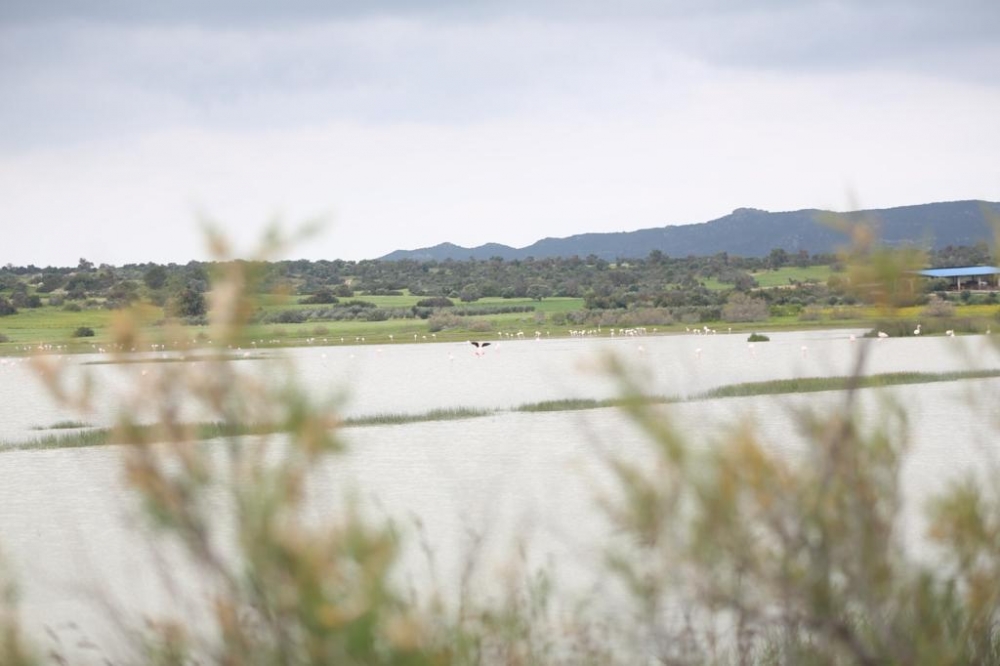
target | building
x=968, y=277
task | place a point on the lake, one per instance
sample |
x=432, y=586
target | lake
x=67, y=522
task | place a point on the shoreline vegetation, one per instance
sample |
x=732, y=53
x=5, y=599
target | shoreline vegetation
x=191, y=340
x=89, y=436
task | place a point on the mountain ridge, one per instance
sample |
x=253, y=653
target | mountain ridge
x=751, y=232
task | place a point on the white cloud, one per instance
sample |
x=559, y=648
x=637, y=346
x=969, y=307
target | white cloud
x=505, y=124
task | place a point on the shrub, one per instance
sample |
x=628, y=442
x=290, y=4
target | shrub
x=938, y=307
x=83, y=332
x=758, y=337
x=480, y=326
x=322, y=296
x=72, y=307
x=811, y=313
x=742, y=307
x=435, y=302
x=442, y=320
x=840, y=312
x=285, y=317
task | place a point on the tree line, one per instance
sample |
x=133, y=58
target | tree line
x=656, y=281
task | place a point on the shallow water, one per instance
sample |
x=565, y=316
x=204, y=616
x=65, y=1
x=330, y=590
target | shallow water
x=67, y=524
x=415, y=378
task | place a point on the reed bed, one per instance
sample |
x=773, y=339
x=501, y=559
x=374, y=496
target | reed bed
x=91, y=436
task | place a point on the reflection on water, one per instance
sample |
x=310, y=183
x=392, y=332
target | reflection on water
x=67, y=524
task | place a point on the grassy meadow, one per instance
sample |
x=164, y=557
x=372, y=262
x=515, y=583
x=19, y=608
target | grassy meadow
x=50, y=326
x=785, y=276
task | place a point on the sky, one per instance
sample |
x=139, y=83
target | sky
x=127, y=128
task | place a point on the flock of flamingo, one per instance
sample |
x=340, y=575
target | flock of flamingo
x=479, y=347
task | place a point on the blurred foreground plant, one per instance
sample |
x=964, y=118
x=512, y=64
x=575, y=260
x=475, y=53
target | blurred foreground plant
x=739, y=554
x=14, y=649
x=729, y=553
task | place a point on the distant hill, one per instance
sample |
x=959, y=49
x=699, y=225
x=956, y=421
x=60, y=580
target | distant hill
x=749, y=232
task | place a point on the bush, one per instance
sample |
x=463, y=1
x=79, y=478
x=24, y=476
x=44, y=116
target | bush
x=83, y=332
x=284, y=317
x=758, y=337
x=811, y=313
x=440, y=321
x=322, y=296
x=435, y=302
x=938, y=307
x=740, y=308
x=72, y=307
x=844, y=313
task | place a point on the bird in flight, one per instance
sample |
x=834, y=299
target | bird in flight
x=480, y=346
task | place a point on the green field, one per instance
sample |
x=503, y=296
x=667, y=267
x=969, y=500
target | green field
x=54, y=326
x=788, y=275
x=782, y=277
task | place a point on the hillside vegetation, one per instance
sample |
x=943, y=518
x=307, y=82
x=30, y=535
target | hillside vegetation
x=750, y=232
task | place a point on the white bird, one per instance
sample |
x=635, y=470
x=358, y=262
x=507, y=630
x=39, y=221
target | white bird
x=882, y=335
x=916, y=331
x=950, y=333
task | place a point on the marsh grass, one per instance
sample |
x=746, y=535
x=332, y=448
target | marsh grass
x=565, y=405
x=85, y=438
x=64, y=425
x=451, y=414
x=814, y=384
x=218, y=429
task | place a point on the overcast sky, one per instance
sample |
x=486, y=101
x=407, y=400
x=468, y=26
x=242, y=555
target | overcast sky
x=125, y=124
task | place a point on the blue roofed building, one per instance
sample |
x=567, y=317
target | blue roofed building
x=967, y=277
